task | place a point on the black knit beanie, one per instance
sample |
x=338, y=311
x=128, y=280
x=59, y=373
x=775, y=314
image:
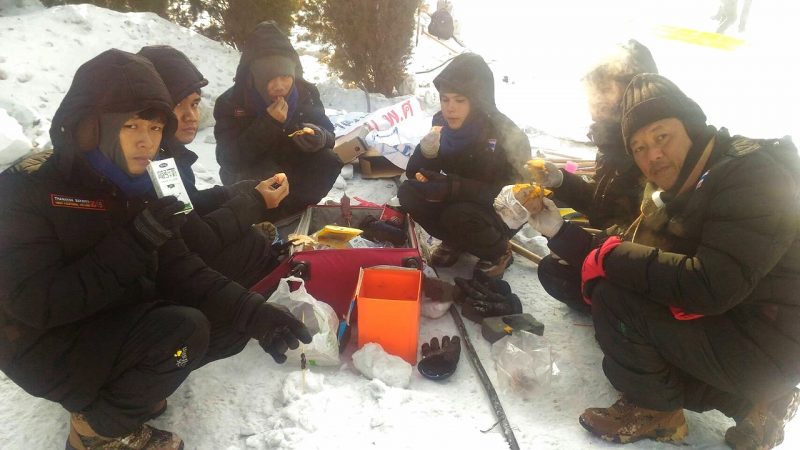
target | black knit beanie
x=650, y=97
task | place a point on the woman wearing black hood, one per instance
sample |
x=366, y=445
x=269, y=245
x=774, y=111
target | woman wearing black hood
x=457, y=170
x=263, y=122
x=103, y=309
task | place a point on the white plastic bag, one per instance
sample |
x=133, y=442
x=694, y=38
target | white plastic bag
x=510, y=209
x=319, y=318
x=524, y=364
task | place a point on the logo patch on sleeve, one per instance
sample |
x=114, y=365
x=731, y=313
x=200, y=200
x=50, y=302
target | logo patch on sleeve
x=68, y=201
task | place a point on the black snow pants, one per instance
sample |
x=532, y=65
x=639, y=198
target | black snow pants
x=113, y=368
x=661, y=363
x=562, y=282
x=465, y=226
x=311, y=177
x=247, y=260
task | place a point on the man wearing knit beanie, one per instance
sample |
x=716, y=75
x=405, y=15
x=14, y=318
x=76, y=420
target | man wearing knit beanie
x=695, y=306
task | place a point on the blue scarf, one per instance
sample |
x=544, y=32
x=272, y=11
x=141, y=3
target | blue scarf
x=261, y=104
x=457, y=141
x=132, y=187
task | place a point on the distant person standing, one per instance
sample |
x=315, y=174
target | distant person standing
x=727, y=14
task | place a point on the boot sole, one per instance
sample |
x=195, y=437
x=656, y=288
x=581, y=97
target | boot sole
x=660, y=434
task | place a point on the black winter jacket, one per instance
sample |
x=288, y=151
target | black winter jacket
x=251, y=144
x=65, y=240
x=611, y=196
x=498, y=156
x=730, y=245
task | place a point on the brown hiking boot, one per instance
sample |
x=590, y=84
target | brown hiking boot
x=83, y=437
x=762, y=427
x=496, y=268
x=444, y=255
x=624, y=422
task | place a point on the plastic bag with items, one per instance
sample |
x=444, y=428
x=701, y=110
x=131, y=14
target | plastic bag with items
x=525, y=365
x=319, y=318
x=510, y=209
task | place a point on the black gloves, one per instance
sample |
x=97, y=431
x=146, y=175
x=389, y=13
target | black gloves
x=315, y=142
x=158, y=222
x=486, y=298
x=276, y=329
x=438, y=187
x=438, y=363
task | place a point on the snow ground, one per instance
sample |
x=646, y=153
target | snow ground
x=249, y=402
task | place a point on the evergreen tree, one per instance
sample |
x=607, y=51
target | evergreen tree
x=371, y=39
x=228, y=21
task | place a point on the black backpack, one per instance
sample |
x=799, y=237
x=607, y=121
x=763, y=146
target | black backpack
x=441, y=24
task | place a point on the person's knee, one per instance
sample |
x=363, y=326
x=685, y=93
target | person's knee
x=189, y=330
x=463, y=217
x=409, y=199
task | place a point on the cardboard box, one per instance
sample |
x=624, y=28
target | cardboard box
x=348, y=151
x=374, y=165
x=351, y=145
x=388, y=305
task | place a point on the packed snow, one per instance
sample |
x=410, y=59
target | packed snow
x=538, y=51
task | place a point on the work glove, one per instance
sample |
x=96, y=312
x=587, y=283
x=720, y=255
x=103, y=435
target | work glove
x=544, y=173
x=312, y=142
x=487, y=298
x=437, y=362
x=489, y=308
x=593, y=271
x=429, y=144
x=435, y=186
x=158, y=222
x=276, y=329
x=547, y=221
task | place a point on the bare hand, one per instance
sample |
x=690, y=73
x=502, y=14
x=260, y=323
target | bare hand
x=274, y=190
x=279, y=109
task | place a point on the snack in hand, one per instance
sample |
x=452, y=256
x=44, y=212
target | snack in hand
x=421, y=178
x=302, y=131
x=530, y=196
x=536, y=164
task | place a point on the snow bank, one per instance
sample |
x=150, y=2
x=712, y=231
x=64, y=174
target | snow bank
x=13, y=142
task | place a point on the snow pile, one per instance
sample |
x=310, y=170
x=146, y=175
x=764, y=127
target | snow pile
x=249, y=402
x=374, y=363
x=13, y=142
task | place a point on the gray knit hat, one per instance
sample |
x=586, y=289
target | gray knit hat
x=651, y=97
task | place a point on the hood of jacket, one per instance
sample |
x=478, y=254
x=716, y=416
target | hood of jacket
x=469, y=75
x=180, y=76
x=266, y=39
x=114, y=81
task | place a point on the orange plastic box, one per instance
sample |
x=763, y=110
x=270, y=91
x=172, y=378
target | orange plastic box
x=388, y=309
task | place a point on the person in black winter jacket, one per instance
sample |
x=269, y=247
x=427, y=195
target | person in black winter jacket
x=456, y=171
x=695, y=306
x=224, y=237
x=103, y=308
x=272, y=120
x=613, y=194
